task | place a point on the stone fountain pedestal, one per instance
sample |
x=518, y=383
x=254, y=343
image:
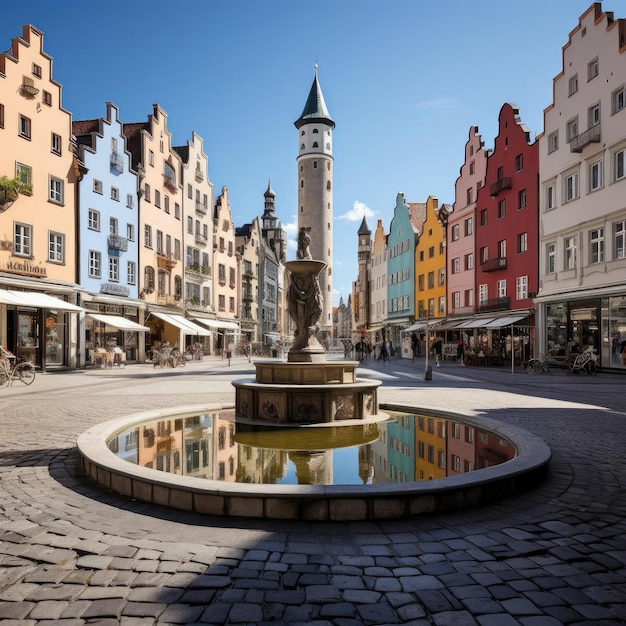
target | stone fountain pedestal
x=307, y=389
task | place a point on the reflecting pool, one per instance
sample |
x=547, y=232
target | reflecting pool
x=404, y=448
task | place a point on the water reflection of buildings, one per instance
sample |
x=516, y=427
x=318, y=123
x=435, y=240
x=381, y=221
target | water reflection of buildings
x=404, y=449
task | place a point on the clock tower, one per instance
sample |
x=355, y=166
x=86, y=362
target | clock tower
x=315, y=189
x=361, y=287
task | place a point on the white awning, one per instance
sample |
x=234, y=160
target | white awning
x=416, y=326
x=478, y=323
x=117, y=321
x=36, y=300
x=187, y=326
x=212, y=323
x=505, y=321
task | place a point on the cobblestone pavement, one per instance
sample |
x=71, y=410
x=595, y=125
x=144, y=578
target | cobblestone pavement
x=71, y=553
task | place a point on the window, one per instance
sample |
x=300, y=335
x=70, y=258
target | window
x=456, y=265
x=619, y=240
x=596, y=245
x=470, y=196
x=1, y=115
x=146, y=192
x=553, y=141
x=502, y=208
x=431, y=252
x=114, y=268
x=502, y=288
x=572, y=129
x=521, y=287
x=24, y=127
x=500, y=173
x=619, y=99
x=593, y=115
x=130, y=232
x=56, y=190
x=420, y=282
x=431, y=280
x=151, y=158
x=483, y=292
x=221, y=302
x=502, y=249
x=55, y=145
x=472, y=168
x=595, y=176
x=147, y=236
x=24, y=173
x=93, y=219
x=36, y=70
x=593, y=68
x=522, y=243
x=95, y=265
x=519, y=162
x=522, y=198
x=177, y=210
x=113, y=226
x=550, y=258
x=620, y=164
x=483, y=217
x=550, y=197
x=159, y=241
x=469, y=261
x=469, y=226
x=166, y=204
x=455, y=232
x=571, y=187
x=46, y=98
x=148, y=278
x=569, y=245
x=573, y=84
x=484, y=254
x=22, y=240
x=131, y=273
x=157, y=198
x=130, y=201
x=56, y=247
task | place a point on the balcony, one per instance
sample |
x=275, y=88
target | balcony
x=591, y=135
x=247, y=272
x=201, y=209
x=493, y=265
x=165, y=261
x=201, y=239
x=170, y=183
x=117, y=242
x=117, y=162
x=500, y=185
x=167, y=299
x=199, y=175
x=30, y=91
x=247, y=295
x=494, y=304
x=115, y=289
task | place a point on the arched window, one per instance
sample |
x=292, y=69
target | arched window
x=314, y=164
x=301, y=184
x=178, y=287
x=315, y=130
x=302, y=133
x=148, y=278
x=302, y=147
x=328, y=185
x=315, y=144
x=327, y=146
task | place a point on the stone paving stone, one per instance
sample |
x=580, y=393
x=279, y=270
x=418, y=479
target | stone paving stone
x=17, y=592
x=520, y=606
x=361, y=596
x=15, y=610
x=94, y=562
x=111, y=607
x=338, y=609
x=387, y=584
x=415, y=583
x=453, y=618
x=101, y=577
x=347, y=582
x=397, y=599
x=136, y=621
x=313, y=579
x=55, y=592
x=410, y=612
x=435, y=601
x=48, y=610
x=499, y=619
x=247, y=613
x=378, y=613
x=146, y=566
x=211, y=582
x=100, y=593
x=181, y=614
x=143, y=609
x=154, y=594
x=478, y=606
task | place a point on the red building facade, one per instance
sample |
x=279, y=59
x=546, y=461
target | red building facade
x=507, y=234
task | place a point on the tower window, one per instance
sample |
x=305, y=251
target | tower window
x=315, y=164
x=302, y=133
x=315, y=144
x=327, y=146
x=316, y=131
x=302, y=147
x=328, y=185
x=301, y=184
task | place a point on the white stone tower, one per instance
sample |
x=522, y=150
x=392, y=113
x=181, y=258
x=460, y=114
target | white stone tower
x=315, y=188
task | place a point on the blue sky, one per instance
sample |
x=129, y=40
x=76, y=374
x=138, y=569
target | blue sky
x=403, y=79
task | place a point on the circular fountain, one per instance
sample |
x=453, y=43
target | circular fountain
x=307, y=394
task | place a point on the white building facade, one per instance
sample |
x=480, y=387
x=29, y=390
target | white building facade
x=582, y=295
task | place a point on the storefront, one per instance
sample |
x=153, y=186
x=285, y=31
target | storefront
x=173, y=329
x=227, y=333
x=572, y=325
x=112, y=333
x=40, y=328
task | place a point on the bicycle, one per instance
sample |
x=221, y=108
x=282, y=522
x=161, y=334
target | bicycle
x=22, y=370
x=538, y=366
x=585, y=362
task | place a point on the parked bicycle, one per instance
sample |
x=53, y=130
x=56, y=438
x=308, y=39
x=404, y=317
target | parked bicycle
x=538, y=366
x=586, y=362
x=11, y=369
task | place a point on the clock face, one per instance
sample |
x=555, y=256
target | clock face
x=362, y=242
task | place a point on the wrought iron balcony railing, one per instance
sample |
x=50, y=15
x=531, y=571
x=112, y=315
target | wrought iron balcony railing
x=500, y=185
x=493, y=265
x=494, y=304
x=591, y=135
x=117, y=242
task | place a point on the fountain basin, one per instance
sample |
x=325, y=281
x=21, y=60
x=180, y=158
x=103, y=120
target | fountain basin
x=312, y=502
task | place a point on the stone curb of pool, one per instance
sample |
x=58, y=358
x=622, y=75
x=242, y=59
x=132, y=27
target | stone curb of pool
x=313, y=502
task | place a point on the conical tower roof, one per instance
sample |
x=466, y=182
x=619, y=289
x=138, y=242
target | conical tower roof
x=315, y=108
x=269, y=193
x=364, y=229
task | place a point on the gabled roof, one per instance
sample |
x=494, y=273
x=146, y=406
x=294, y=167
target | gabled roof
x=315, y=108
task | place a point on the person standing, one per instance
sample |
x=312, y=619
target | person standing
x=414, y=341
x=460, y=351
x=437, y=346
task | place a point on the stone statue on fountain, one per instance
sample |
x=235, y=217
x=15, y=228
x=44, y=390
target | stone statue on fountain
x=305, y=300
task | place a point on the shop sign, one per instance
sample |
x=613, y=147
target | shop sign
x=114, y=289
x=25, y=268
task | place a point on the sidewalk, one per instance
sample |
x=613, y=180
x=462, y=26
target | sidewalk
x=71, y=553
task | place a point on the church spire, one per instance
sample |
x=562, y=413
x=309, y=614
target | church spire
x=315, y=108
